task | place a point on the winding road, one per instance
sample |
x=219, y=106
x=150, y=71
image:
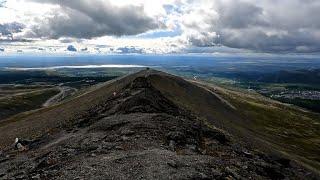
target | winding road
x=64, y=92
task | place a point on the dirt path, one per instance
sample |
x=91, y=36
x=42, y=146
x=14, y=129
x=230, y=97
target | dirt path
x=64, y=92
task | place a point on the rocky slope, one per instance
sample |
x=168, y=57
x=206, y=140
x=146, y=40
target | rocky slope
x=136, y=132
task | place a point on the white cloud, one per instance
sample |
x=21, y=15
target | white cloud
x=249, y=25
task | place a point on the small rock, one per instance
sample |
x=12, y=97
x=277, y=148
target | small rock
x=177, y=136
x=119, y=148
x=127, y=132
x=137, y=136
x=93, y=155
x=20, y=176
x=232, y=172
x=204, y=152
x=192, y=147
x=229, y=178
x=247, y=154
x=37, y=176
x=216, y=134
x=216, y=172
x=172, y=164
x=172, y=145
x=124, y=138
x=4, y=160
x=203, y=176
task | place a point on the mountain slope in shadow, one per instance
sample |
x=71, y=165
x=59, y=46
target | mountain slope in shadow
x=138, y=127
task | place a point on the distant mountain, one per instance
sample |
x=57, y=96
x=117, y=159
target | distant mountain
x=152, y=125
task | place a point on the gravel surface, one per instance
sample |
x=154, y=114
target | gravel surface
x=139, y=134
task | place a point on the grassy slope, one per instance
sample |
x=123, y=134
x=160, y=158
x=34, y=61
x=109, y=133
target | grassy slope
x=24, y=102
x=263, y=122
x=290, y=130
x=36, y=123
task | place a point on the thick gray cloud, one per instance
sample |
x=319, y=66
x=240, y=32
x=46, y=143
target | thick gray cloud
x=267, y=26
x=276, y=26
x=8, y=40
x=130, y=50
x=84, y=49
x=71, y=48
x=89, y=19
x=2, y=4
x=1, y=49
x=239, y=15
x=8, y=29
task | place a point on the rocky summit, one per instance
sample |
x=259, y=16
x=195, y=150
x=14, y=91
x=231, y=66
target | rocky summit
x=134, y=131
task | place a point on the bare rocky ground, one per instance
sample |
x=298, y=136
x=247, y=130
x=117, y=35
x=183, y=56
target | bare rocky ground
x=137, y=133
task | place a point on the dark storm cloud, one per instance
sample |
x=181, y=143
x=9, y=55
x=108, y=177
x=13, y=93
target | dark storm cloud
x=267, y=26
x=89, y=19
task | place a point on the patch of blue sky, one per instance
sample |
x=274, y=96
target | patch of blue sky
x=171, y=9
x=161, y=33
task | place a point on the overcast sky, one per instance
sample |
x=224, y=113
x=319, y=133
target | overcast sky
x=158, y=26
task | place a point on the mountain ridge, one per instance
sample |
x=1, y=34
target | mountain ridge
x=137, y=127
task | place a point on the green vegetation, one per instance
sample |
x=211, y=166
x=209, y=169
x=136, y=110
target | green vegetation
x=11, y=105
x=313, y=105
x=288, y=129
x=271, y=89
x=22, y=91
